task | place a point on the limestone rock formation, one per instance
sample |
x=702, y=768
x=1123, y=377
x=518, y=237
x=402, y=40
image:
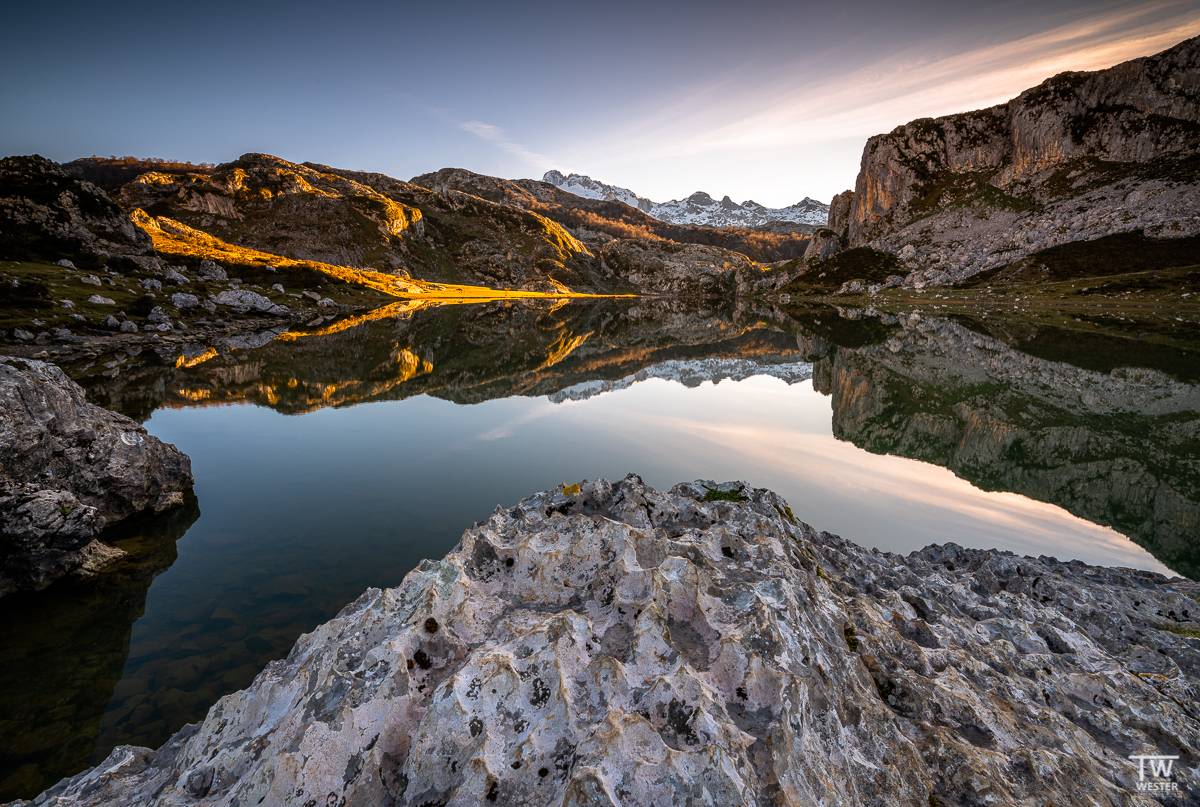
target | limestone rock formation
x=823, y=246
x=68, y=468
x=1078, y=157
x=665, y=267
x=610, y=644
x=839, y=215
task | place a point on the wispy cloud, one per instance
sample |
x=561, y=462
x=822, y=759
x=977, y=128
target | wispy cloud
x=497, y=136
x=808, y=105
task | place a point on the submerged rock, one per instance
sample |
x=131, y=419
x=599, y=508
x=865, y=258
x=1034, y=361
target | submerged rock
x=610, y=644
x=68, y=468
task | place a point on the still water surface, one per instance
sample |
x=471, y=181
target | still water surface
x=337, y=462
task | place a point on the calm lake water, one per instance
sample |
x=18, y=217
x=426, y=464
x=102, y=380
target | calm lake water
x=336, y=460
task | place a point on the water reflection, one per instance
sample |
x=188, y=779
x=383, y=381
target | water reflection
x=1118, y=448
x=64, y=652
x=409, y=424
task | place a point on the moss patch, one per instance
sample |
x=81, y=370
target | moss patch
x=725, y=496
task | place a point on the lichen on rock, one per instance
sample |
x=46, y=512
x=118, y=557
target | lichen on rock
x=620, y=645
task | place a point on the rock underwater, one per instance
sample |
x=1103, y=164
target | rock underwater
x=68, y=467
x=611, y=644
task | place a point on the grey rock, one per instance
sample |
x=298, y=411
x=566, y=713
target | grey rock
x=128, y=326
x=158, y=316
x=91, y=280
x=96, y=299
x=152, y=284
x=614, y=645
x=66, y=263
x=111, y=322
x=277, y=287
x=245, y=299
x=67, y=304
x=822, y=246
x=175, y=276
x=22, y=336
x=210, y=270
x=67, y=468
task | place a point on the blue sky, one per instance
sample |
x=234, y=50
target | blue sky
x=769, y=101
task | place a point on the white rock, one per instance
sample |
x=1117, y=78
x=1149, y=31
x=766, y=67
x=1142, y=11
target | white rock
x=96, y=299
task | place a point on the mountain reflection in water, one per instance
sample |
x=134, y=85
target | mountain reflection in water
x=482, y=404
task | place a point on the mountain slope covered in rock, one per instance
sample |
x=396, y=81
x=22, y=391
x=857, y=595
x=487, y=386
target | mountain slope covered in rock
x=699, y=209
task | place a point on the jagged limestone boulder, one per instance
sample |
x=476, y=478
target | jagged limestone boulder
x=68, y=468
x=610, y=644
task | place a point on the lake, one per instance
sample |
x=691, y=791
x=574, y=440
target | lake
x=334, y=460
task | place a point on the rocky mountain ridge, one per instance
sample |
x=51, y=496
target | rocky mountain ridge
x=1079, y=157
x=698, y=209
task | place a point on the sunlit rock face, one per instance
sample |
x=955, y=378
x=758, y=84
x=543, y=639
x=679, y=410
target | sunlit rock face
x=1119, y=448
x=612, y=644
x=66, y=468
x=1079, y=157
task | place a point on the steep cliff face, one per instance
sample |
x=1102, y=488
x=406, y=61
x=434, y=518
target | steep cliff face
x=1117, y=448
x=1079, y=156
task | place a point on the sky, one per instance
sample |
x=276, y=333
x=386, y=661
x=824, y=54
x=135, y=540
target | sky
x=771, y=101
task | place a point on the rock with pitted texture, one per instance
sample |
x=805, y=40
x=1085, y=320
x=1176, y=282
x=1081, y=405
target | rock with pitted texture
x=608, y=644
x=68, y=468
x=246, y=300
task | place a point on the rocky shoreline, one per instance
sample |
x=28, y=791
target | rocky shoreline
x=611, y=644
x=68, y=468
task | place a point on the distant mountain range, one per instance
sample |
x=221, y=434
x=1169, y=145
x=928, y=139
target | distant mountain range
x=698, y=209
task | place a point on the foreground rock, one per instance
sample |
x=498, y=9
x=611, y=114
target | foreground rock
x=611, y=644
x=68, y=468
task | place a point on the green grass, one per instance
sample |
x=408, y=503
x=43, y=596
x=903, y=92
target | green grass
x=725, y=496
x=1179, y=630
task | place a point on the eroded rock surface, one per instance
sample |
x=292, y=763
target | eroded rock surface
x=67, y=468
x=611, y=644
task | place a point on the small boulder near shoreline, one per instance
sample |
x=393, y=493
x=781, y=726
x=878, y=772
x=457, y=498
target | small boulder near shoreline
x=68, y=468
x=609, y=644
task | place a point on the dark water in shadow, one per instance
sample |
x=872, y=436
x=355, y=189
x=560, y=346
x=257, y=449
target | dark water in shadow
x=334, y=461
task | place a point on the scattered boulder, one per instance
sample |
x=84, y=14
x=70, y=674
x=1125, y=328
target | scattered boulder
x=614, y=645
x=22, y=336
x=68, y=468
x=129, y=326
x=152, y=284
x=175, y=276
x=245, y=300
x=185, y=301
x=210, y=270
x=823, y=246
x=96, y=299
x=111, y=322
x=66, y=263
x=91, y=280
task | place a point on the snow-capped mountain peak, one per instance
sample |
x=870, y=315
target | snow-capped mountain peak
x=699, y=209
